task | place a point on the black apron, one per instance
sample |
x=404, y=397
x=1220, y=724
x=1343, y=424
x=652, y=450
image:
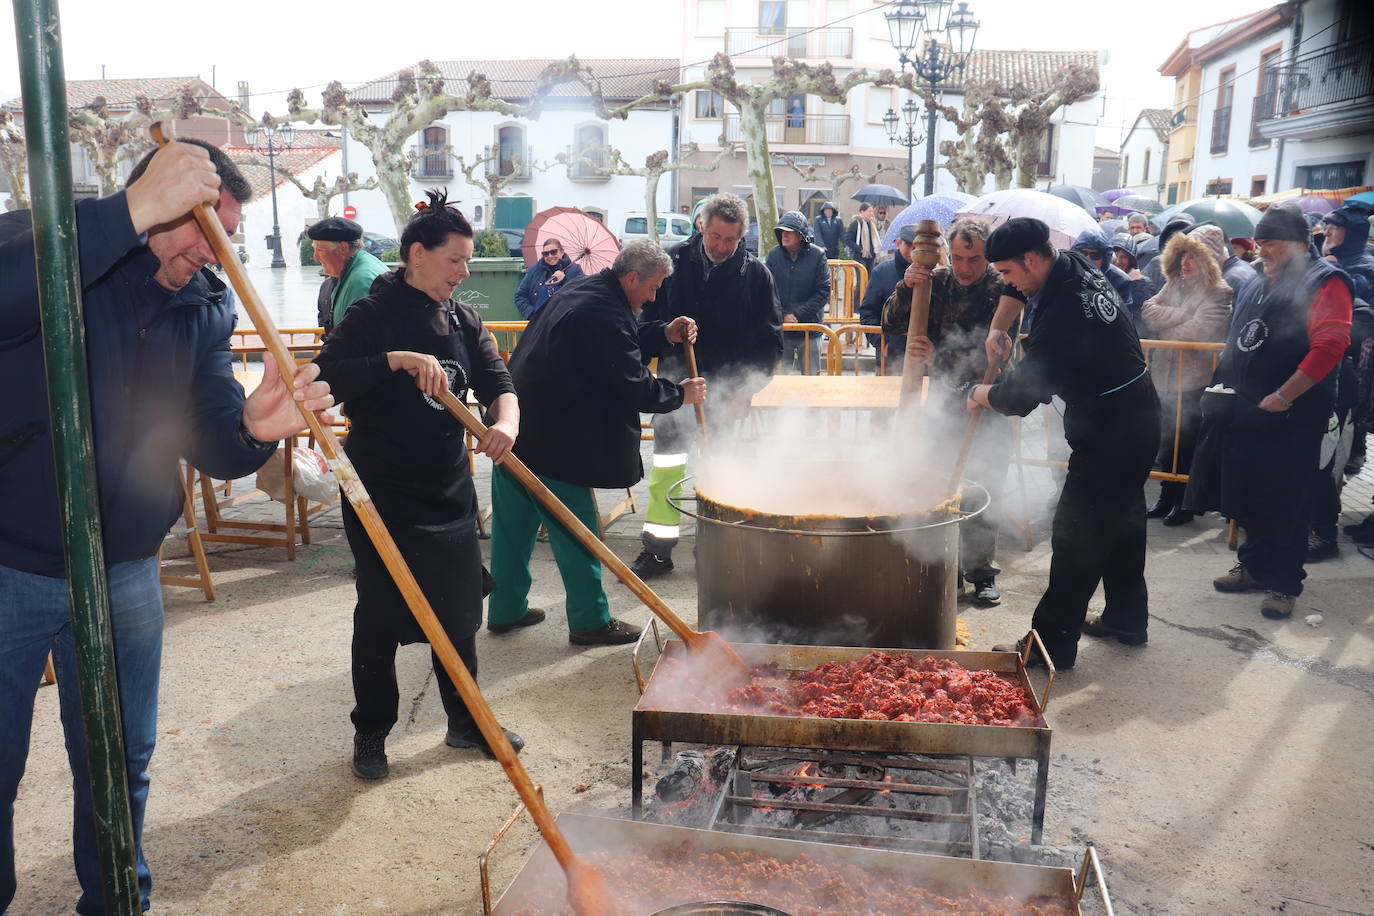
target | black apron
x=424, y=495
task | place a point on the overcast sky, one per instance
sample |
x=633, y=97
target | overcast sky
x=278, y=45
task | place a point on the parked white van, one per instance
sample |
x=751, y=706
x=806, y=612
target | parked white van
x=672, y=228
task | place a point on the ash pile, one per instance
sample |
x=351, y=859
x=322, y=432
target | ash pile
x=960, y=806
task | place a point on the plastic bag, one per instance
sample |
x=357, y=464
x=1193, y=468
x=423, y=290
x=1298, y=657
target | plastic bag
x=311, y=475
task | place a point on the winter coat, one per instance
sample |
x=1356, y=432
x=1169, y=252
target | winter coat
x=1154, y=271
x=1193, y=309
x=739, y=325
x=882, y=282
x=356, y=282
x=1352, y=254
x=161, y=385
x=1132, y=293
x=801, y=282
x=580, y=376
x=538, y=285
x=829, y=229
x=855, y=244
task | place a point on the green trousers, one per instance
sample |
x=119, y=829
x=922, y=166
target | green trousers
x=515, y=520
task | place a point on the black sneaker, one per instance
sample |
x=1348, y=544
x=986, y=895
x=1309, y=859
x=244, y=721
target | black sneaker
x=1319, y=548
x=649, y=565
x=369, y=755
x=986, y=593
x=532, y=616
x=471, y=738
x=615, y=633
x=1362, y=533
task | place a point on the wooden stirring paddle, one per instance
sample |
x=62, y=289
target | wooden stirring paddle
x=708, y=649
x=587, y=890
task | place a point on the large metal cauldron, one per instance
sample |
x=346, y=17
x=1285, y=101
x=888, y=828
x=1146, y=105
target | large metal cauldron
x=721, y=908
x=829, y=581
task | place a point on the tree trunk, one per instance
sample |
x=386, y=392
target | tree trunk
x=393, y=173
x=651, y=202
x=15, y=164
x=760, y=172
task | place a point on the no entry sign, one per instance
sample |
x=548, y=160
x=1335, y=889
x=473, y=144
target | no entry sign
x=350, y=212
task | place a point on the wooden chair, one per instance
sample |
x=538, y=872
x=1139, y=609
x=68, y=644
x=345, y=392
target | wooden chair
x=194, y=541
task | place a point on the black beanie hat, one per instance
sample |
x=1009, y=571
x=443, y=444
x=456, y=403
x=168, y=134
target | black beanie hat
x=1284, y=224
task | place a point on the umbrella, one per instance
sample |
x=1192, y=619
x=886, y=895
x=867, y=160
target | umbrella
x=1086, y=198
x=1309, y=204
x=958, y=195
x=1112, y=226
x=1137, y=203
x=1236, y=218
x=1364, y=199
x=1065, y=220
x=1114, y=193
x=586, y=240
x=938, y=207
x=880, y=195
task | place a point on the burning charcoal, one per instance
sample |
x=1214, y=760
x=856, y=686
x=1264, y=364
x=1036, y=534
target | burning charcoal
x=721, y=760
x=689, y=767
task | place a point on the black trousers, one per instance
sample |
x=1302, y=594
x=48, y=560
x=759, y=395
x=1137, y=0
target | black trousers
x=1098, y=535
x=375, y=692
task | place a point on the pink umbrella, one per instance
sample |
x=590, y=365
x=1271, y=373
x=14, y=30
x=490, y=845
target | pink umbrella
x=586, y=240
x=1066, y=220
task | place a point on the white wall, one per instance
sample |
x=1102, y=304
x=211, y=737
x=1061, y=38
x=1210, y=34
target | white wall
x=644, y=132
x=1241, y=163
x=1135, y=177
x=294, y=211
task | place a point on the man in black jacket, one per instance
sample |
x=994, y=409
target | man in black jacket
x=580, y=378
x=729, y=293
x=801, y=279
x=829, y=230
x=1083, y=348
x=882, y=282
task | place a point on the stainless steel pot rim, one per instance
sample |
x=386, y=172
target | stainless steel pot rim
x=721, y=906
x=675, y=499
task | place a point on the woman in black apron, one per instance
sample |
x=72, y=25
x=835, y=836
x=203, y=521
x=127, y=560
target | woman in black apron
x=392, y=352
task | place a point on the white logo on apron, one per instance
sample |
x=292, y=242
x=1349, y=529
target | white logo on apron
x=455, y=372
x=1252, y=336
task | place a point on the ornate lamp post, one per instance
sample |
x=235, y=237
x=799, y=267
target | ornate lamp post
x=949, y=42
x=908, y=138
x=276, y=140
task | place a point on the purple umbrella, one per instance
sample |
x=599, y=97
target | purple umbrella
x=1309, y=204
x=937, y=207
x=1114, y=193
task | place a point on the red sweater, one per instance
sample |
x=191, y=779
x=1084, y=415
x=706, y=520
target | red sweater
x=1328, y=329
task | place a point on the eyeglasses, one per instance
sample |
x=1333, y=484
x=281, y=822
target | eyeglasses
x=549, y=251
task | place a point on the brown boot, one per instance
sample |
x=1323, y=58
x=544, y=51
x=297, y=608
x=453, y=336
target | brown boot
x=1277, y=606
x=1237, y=580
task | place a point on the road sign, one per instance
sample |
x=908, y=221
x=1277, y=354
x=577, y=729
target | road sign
x=350, y=212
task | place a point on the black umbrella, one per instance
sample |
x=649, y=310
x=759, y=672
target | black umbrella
x=880, y=195
x=1086, y=198
x=1138, y=203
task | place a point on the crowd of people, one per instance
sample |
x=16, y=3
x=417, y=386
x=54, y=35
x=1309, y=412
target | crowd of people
x=1293, y=382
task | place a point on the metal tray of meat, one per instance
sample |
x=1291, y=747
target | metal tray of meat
x=612, y=845
x=650, y=722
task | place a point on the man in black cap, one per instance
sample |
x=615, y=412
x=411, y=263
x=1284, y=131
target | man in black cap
x=1261, y=440
x=1083, y=348
x=338, y=246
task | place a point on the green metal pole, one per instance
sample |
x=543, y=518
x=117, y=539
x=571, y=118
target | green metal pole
x=36, y=26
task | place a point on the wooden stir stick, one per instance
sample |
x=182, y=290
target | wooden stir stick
x=966, y=446
x=710, y=647
x=700, y=408
x=587, y=890
x=926, y=252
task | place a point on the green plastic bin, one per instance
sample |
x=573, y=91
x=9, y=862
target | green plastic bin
x=491, y=288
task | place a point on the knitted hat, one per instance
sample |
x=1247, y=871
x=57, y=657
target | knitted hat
x=1284, y=224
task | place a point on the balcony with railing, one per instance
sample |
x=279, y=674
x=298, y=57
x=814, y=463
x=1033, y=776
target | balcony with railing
x=1326, y=94
x=1181, y=117
x=1261, y=108
x=827, y=130
x=433, y=163
x=1221, y=130
x=827, y=44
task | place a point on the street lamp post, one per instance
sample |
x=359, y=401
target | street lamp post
x=283, y=136
x=908, y=138
x=949, y=42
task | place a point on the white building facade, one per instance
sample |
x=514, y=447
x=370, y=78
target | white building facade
x=527, y=149
x=849, y=35
x=1287, y=100
x=1144, y=154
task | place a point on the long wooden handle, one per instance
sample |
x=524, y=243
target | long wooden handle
x=459, y=411
x=966, y=446
x=926, y=252
x=386, y=547
x=692, y=372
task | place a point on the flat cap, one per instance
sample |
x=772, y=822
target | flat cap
x=907, y=233
x=1015, y=237
x=1286, y=224
x=335, y=229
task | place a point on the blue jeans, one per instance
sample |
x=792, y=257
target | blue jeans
x=35, y=618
